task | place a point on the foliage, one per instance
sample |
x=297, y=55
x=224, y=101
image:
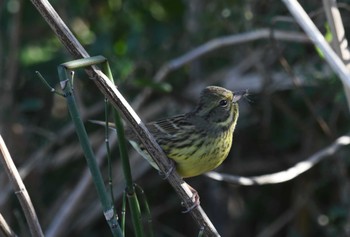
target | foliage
x=275, y=130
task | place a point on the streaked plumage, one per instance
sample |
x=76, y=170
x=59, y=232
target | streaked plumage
x=198, y=141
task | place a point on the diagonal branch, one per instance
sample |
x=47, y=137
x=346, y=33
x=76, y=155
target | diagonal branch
x=118, y=101
x=339, y=42
x=5, y=228
x=317, y=38
x=20, y=191
x=285, y=175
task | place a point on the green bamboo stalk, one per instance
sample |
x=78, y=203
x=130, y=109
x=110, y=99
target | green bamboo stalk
x=66, y=77
x=130, y=190
x=122, y=222
x=147, y=211
x=65, y=81
x=109, y=159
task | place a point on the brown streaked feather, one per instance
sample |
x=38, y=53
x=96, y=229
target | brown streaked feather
x=166, y=129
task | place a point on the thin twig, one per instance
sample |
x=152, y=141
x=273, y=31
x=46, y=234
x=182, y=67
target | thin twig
x=226, y=41
x=5, y=228
x=285, y=175
x=297, y=84
x=20, y=191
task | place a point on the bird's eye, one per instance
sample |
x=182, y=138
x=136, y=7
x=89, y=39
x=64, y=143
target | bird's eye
x=223, y=103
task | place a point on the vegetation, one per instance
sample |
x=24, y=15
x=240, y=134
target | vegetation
x=297, y=107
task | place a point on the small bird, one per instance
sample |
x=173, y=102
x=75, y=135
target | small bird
x=198, y=141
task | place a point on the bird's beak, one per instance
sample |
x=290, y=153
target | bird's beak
x=237, y=95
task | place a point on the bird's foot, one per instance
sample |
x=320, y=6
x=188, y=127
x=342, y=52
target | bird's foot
x=194, y=197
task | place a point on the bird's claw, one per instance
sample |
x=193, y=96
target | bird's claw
x=195, y=200
x=190, y=208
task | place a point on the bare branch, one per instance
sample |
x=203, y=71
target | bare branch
x=20, y=191
x=285, y=175
x=215, y=44
x=315, y=35
x=339, y=42
x=5, y=228
x=225, y=41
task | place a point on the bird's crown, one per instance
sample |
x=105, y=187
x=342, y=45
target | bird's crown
x=213, y=97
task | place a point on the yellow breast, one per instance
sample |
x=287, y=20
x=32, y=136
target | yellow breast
x=202, y=156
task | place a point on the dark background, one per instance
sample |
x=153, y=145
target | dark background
x=290, y=114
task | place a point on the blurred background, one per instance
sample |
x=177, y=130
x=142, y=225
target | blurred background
x=296, y=107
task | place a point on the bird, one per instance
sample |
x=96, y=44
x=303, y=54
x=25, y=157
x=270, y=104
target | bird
x=197, y=141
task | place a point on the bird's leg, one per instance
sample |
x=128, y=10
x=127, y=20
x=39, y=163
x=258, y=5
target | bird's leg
x=194, y=197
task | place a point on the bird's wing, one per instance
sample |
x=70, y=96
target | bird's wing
x=171, y=127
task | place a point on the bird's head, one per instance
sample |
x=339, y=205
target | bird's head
x=218, y=106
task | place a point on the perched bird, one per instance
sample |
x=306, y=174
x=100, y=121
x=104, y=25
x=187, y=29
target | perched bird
x=198, y=141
